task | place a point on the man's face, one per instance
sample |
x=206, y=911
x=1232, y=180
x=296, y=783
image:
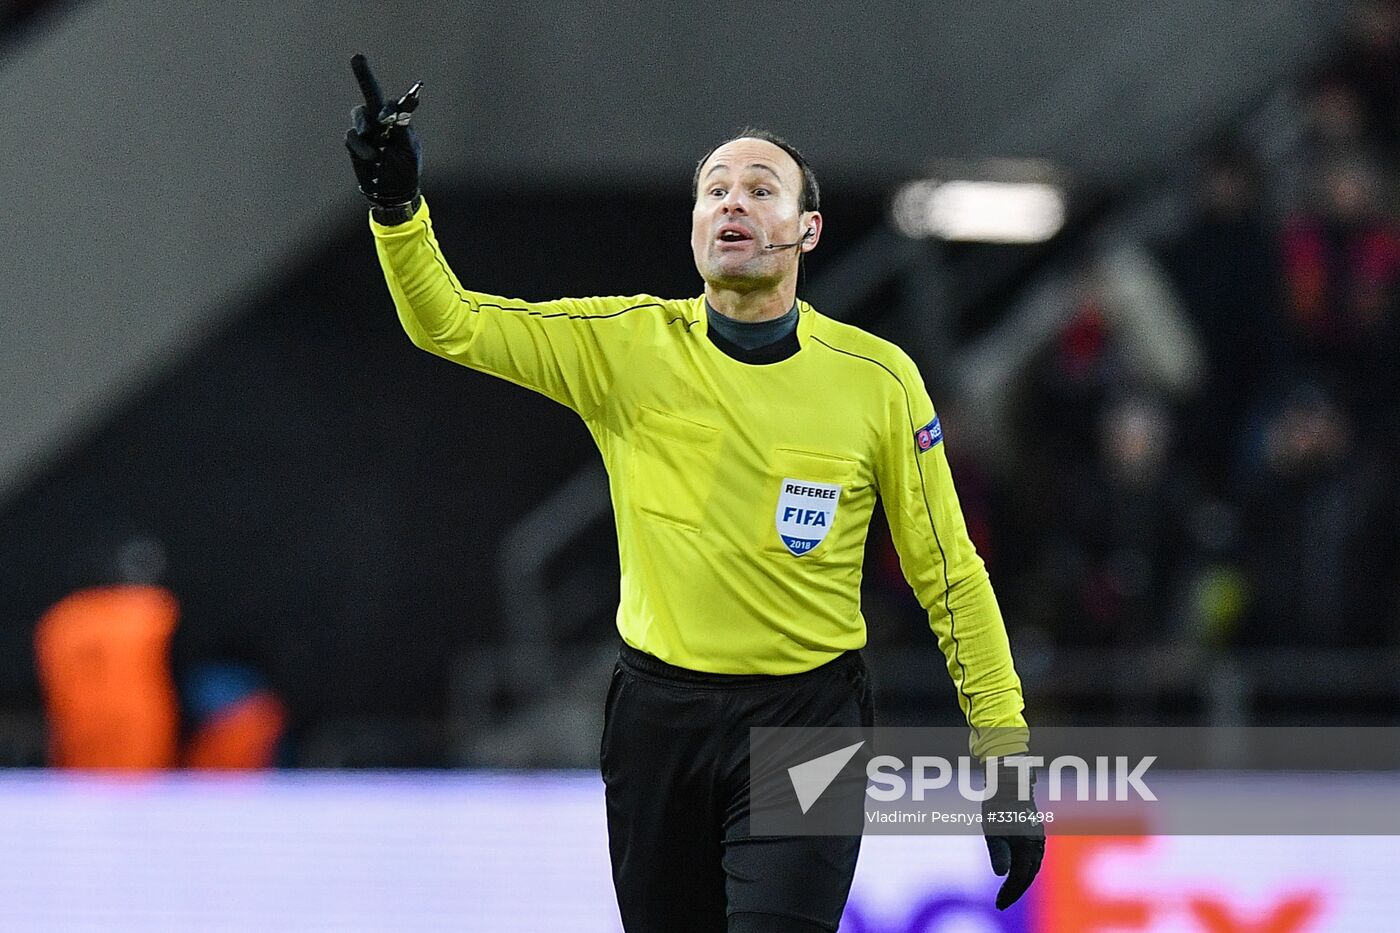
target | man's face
x=748, y=198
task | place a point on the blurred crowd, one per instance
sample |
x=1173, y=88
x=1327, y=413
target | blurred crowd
x=118, y=693
x=1206, y=451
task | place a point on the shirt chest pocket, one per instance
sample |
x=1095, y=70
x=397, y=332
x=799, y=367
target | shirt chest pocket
x=807, y=493
x=672, y=469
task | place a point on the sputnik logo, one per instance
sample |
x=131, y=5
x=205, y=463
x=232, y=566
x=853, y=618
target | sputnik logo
x=811, y=778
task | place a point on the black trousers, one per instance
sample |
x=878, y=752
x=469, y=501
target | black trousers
x=675, y=760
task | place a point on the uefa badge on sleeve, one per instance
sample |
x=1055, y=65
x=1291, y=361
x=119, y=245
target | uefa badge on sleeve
x=806, y=511
x=929, y=436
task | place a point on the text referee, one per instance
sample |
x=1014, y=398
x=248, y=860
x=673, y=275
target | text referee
x=746, y=437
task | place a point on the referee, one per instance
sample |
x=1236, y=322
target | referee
x=746, y=438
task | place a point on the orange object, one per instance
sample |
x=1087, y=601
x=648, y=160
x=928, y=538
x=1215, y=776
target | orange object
x=243, y=737
x=1068, y=898
x=104, y=666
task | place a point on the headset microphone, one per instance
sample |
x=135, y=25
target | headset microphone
x=811, y=232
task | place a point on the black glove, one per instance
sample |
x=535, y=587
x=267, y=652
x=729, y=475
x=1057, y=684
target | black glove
x=383, y=148
x=1015, y=835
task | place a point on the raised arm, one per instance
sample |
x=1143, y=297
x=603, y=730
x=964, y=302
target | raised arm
x=568, y=350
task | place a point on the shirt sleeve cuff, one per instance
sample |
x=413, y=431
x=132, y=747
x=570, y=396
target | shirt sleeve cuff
x=420, y=212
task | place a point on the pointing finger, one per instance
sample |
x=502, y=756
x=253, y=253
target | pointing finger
x=374, y=97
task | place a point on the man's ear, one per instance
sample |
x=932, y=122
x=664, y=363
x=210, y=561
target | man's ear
x=811, y=231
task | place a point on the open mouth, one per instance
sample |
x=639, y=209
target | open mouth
x=733, y=234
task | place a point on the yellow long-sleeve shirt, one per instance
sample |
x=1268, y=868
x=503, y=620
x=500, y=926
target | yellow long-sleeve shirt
x=742, y=493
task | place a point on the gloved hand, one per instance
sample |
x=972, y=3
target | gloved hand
x=384, y=149
x=1015, y=835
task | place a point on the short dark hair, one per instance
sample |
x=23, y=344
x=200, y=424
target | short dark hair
x=809, y=198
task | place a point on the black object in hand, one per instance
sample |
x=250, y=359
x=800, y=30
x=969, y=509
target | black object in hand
x=384, y=148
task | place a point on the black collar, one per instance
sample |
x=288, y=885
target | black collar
x=774, y=352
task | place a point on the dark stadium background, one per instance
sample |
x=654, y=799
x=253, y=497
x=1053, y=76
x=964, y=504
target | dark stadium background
x=1190, y=523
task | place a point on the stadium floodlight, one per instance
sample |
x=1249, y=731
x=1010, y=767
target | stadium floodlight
x=980, y=211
